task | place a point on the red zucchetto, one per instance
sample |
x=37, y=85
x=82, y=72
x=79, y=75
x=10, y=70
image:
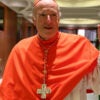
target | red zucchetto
x=36, y=1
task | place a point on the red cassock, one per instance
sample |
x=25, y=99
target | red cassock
x=68, y=60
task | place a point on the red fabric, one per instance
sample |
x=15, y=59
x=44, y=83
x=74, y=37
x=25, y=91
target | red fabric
x=69, y=60
x=89, y=91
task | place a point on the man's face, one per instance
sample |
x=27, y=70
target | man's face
x=47, y=19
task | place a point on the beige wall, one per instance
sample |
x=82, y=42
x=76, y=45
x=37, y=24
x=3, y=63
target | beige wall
x=8, y=35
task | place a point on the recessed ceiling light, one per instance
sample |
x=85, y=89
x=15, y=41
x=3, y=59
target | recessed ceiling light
x=78, y=3
x=78, y=21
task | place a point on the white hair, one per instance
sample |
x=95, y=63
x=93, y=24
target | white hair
x=34, y=9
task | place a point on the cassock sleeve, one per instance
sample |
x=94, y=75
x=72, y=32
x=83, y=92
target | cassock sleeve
x=94, y=78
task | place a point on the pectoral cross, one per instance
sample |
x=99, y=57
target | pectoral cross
x=43, y=91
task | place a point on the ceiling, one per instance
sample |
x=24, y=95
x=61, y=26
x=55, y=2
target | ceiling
x=74, y=12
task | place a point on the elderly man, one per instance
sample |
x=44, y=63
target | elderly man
x=50, y=65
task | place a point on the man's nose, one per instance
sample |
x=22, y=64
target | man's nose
x=48, y=18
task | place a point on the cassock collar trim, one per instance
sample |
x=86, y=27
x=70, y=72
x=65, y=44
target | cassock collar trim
x=50, y=41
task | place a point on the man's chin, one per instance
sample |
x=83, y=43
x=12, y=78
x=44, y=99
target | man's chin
x=49, y=32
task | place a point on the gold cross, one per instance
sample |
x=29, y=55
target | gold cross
x=43, y=91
